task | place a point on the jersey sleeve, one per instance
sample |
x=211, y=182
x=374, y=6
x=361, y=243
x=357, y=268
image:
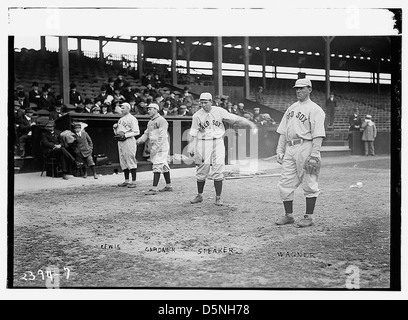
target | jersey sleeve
x=282, y=125
x=317, y=123
x=194, y=126
x=228, y=117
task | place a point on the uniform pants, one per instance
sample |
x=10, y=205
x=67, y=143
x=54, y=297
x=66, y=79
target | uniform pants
x=210, y=153
x=294, y=175
x=369, y=147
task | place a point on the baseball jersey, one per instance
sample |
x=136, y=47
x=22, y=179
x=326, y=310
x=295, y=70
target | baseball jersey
x=303, y=120
x=128, y=124
x=209, y=125
x=156, y=131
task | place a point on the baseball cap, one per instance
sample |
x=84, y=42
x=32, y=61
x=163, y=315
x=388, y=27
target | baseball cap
x=205, y=96
x=153, y=105
x=125, y=104
x=302, y=83
x=368, y=116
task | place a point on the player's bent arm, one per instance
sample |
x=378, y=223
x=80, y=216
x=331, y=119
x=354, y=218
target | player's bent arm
x=142, y=139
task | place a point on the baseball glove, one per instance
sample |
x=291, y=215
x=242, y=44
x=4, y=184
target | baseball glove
x=312, y=165
x=120, y=137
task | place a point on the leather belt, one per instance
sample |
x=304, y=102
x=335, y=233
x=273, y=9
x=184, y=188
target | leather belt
x=293, y=142
x=211, y=139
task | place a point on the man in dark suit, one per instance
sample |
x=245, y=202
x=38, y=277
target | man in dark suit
x=52, y=145
x=74, y=96
x=25, y=131
x=34, y=94
x=355, y=125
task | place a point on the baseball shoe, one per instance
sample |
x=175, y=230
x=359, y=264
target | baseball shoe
x=151, y=192
x=95, y=176
x=85, y=174
x=285, y=220
x=197, y=199
x=218, y=201
x=166, y=188
x=131, y=185
x=124, y=184
x=305, y=222
x=64, y=176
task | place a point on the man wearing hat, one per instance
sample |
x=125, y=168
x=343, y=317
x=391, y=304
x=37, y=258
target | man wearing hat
x=53, y=146
x=88, y=106
x=85, y=147
x=187, y=98
x=74, y=96
x=207, y=145
x=125, y=132
x=369, y=135
x=301, y=135
x=158, y=146
x=25, y=131
x=34, y=94
x=23, y=100
x=259, y=97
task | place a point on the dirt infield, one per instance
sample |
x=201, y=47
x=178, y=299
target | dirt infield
x=114, y=237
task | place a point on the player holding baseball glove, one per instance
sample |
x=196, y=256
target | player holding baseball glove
x=125, y=131
x=301, y=135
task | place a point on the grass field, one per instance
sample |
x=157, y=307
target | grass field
x=114, y=237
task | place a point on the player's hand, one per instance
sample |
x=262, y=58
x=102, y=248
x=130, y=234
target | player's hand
x=115, y=126
x=279, y=158
x=254, y=128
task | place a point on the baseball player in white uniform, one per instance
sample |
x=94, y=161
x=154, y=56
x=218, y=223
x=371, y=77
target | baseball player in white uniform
x=127, y=128
x=301, y=135
x=157, y=138
x=207, y=144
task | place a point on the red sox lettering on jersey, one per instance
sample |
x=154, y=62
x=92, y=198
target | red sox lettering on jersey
x=303, y=120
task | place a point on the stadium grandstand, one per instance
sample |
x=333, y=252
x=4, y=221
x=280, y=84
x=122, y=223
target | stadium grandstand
x=358, y=72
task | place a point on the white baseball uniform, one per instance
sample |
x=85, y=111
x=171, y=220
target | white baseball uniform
x=129, y=125
x=305, y=121
x=209, y=129
x=156, y=132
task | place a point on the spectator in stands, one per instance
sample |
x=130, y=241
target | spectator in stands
x=133, y=107
x=248, y=115
x=19, y=92
x=147, y=79
x=80, y=109
x=142, y=108
x=266, y=120
x=23, y=100
x=127, y=92
x=187, y=98
x=257, y=117
x=103, y=95
x=137, y=94
x=223, y=103
x=165, y=111
x=369, y=135
x=182, y=111
x=229, y=107
x=74, y=96
x=85, y=147
x=110, y=87
x=51, y=95
x=59, y=101
x=241, y=110
x=259, y=97
x=96, y=109
x=194, y=108
x=355, y=125
x=46, y=102
x=118, y=80
x=235, y=109
x=146, y=95
x=34, y=94
x=55, y=113
x=331, y=105
x=52, y=145
x=25, y=132
x=117, y=96
x=18, y=115
x=88, y=104
x=157, y=83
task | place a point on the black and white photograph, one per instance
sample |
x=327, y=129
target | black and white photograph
x=209, y=147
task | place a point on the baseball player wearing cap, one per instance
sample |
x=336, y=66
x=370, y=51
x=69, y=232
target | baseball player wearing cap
x=157, y=139
x=207, y=145
x=301, y=134
x=125, y=131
